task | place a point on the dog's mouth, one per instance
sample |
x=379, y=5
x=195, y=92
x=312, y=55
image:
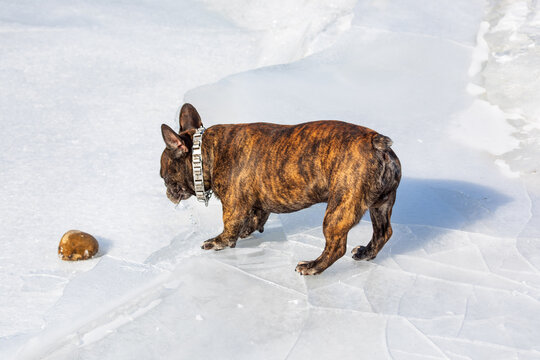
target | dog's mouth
x=177, y=196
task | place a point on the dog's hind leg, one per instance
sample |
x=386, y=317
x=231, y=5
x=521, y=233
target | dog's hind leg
x=382, y=230
x=341, y=215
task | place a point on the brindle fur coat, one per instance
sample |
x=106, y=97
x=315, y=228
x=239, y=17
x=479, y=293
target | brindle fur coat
x=261, y=168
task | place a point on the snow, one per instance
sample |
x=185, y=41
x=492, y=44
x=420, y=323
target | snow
x=84, y=87
x=485, y=127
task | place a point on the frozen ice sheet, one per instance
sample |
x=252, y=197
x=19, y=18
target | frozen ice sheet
x=460, y=277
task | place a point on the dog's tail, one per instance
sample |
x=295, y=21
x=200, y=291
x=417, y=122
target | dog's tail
x=381, y=142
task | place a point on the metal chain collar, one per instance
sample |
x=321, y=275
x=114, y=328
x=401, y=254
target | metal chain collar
x=198, y=177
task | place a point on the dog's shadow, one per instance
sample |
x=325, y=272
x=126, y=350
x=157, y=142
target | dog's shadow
x=434, y=203
x=448, y=204
x=272, y=232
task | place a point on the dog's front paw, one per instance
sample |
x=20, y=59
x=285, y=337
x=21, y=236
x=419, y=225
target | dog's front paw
x=217, y=244
x=309, y=267
x=214, y=243
x=362, y=253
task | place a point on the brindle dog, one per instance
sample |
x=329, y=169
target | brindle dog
x=258, y=169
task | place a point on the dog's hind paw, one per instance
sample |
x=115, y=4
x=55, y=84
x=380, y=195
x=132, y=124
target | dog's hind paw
x=309, y=268
x=362, y=253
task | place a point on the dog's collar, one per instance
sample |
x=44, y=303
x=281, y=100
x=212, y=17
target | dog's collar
x=197, y=164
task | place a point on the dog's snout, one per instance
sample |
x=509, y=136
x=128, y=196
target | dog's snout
x=177, y=192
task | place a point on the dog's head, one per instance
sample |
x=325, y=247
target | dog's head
x=176, y=168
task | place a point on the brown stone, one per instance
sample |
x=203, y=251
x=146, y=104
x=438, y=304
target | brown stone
x=77, y=245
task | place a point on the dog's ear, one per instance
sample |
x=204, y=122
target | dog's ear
x=173, y=141
x=189, y=118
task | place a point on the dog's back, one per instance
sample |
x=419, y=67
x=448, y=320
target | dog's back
x=290, y=167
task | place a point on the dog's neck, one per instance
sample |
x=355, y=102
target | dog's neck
x=198, y=168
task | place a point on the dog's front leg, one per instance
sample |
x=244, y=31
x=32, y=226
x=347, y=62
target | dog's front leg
x=233, y=221
x=255, y=221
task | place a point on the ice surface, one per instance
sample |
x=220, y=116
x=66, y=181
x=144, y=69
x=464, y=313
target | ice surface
x=85, y=87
